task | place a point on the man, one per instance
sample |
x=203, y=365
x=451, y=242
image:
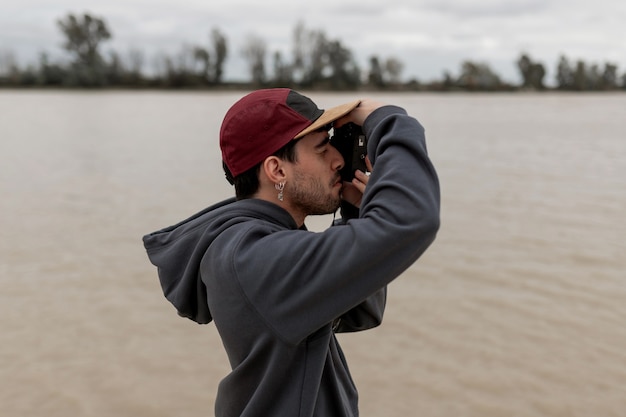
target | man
x=276, y=292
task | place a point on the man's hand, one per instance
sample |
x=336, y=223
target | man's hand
x=360, y=113
x=353, y=191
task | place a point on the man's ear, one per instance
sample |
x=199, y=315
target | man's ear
x=274, y=169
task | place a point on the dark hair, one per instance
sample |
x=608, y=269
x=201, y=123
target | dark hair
x=247, y=183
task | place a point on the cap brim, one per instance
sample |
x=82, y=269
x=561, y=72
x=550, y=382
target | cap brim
x=329, y=116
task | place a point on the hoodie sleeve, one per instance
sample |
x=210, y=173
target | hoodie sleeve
x=298, y=281
x=366, y=315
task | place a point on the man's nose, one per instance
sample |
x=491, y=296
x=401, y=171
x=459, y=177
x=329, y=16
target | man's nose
x=338, y=161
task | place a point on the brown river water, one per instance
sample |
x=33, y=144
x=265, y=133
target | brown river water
x=518, y=309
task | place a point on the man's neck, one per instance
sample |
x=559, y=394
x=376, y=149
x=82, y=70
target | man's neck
x=271, y=197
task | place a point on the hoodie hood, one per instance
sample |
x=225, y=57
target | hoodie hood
x=177, y=250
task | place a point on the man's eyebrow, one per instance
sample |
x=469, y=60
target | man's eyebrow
x=323, y=142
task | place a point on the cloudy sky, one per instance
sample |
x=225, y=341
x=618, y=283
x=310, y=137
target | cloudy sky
x=428, y=36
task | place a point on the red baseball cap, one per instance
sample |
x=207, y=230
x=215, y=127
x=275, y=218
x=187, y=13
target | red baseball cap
x=264, y=121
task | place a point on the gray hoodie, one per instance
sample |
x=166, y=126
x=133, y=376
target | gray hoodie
x=277, y=294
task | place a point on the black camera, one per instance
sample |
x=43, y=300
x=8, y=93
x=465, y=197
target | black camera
x=351, y=142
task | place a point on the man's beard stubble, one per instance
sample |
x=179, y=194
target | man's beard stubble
x=309, y=195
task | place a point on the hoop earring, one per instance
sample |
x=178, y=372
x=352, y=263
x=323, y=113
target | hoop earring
x=280, y=187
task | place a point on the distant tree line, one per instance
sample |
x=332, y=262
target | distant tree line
x=316, y=62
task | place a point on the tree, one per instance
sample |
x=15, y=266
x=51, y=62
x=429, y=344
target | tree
x=564, y=74
x=383, y=73
x=9, y=69
x=115, y=71
x=537, y=74
x=448, y=81
x=316, y=52
x=344, y=72
x=609, y=77
x=594, y=77
x=84, y=36
x=254, y=52
x=135, y=61
x=322, y=62
x=202, y=57
x=375, y=76
x=220, y=51
x=478, y=76
x=310, y=54
x=580, y=76
x=532, y=73
x=50, y=74
x=299, y=34
x=182, y=70
x=283, y=73
x=394, y=68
